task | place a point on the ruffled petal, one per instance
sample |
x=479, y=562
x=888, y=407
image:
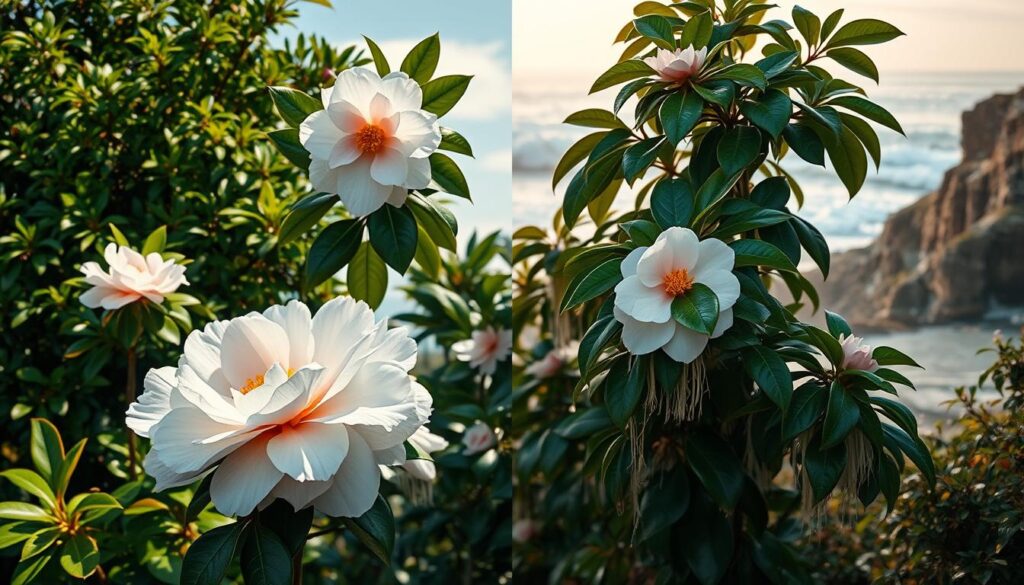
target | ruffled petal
x=244, y=478
x=642, y=303
x=642, y=338
x=355, y=486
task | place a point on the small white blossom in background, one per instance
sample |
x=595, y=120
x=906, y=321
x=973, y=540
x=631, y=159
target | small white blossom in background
x=284, y=404
x=371, y=141
x=653, y=276
x=427, y=442
x=554, y=362
x=679, y=65
x=485, y=349
x=524, y=530
x=478, y=438
x=130, y=276
x=857, y=355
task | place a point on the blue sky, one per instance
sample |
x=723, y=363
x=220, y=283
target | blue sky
x=475, y=40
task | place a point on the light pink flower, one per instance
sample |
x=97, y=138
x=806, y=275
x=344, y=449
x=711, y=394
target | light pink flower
x=856, y=355
x=478, y=438
x=554, y=362
x=485, y=349
x=130, y=277
x=285, y=404
x=524, y=530
x=679, y=65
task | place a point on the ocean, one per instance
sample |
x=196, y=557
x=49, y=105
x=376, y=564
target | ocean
x=928, y=105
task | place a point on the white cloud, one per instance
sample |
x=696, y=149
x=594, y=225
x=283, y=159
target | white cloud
x=498, y=161
x=490, y=93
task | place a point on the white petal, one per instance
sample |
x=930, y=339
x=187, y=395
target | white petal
x=642, y=303
x=628, y=266
x=715, y=255
x=676, y=248
x=643, y=338
x=340, y=329
x=418, y=132
x=725, y=320
x=356, y=86
x=380, y=108
x=319, y=135
x=380, y=401
x=346, y=117
x=155, y=401
x=419, y=173
x=724, y=284
x=297, y=323
x=178, y=439
x=251, y=344
x=344, y=152
x=202, y=354
x=357, y=189
x=292, y=397
x=323, y=177
x=309, y=451
x=389, y=167
x=686, y=344
x=355, y=485
x=404, y=93
x=300, y=494
x=398, y=196
x=244, y=478
x=166, y=477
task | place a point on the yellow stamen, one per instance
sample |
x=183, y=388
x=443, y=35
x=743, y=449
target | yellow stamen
x=677, y=282
x=370, y=139
x=251, y=384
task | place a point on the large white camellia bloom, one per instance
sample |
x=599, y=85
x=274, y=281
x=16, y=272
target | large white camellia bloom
x=371, y=141
x=679, y=65
x=654, y=276
x=285, y=405
x=485, y=348
x=130, y=277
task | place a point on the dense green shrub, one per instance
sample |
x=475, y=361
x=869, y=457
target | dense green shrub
x=970, y=529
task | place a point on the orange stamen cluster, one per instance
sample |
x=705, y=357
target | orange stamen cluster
x=251, y=384
x=677, y=282
x=370, y=139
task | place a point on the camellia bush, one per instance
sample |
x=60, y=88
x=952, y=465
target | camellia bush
x=197, y=228
x=702, y=426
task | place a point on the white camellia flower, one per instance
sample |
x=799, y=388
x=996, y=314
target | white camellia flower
x=478, y=438
x=371, y=141
x=856, y=355
x=679, y=65
x=554, y=362
x=285, y=405
x=485, y=349
x=130, y=277
x=654, y=276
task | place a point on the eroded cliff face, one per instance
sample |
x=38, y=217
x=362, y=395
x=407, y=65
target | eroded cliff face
x=957, y=253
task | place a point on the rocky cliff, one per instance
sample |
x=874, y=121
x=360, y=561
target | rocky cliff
x=957, y=253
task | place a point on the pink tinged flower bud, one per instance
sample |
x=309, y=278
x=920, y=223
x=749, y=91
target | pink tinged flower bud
x=478, y=438
x=679, y=65
x=525, y=530
x=327, y=74
x=856, y=355
x=130, y=276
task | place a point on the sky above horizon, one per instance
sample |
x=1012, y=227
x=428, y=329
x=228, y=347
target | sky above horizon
x=475, y=40
x=942, y=35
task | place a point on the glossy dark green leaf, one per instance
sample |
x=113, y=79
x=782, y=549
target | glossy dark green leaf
x=584, y=423
x=697, y=309
x=333, y=248
x=293, y=105
x=393, y=233
x=706, y=541
x=679, y=113
x=287, y=143
x=697, y=31
x=592, y=284
x=639, y=157
x=814, y=242
x=770, y=112
x=808, y=24
x=775, y=64
x=869, y=110
x=622, y=390
x=300, y=219
x=672, y=203
x=376, y=529
x=367, y=276
x=866, y=31
x=621, y=73
x=720, y=92
x=743, y=74
x=436, y=220
x=380, y=62
x=440, y=95
x=889, y=356
x=856, y=61
x=805, y=143
x=264, y=559
x=452, y=141
x=757, y=253
x=841, y=416
x=717, y=467
x=664, y=502
x=421, y=62
x=210, y=555
x=738, y=148
x=448, y=175
x=914, y=448
x=771, y=374
x=657, y=28
x=576, y=154
x=837, y=326
x=807, y=407
x=824, y=467
x=594, y=118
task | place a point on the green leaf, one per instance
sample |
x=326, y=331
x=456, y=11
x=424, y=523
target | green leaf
x=200, y=499
x=770, y=112
x=590, y=285
x=621, y=73
x=421, y=62
x=664, y=502
x=287, y=143
x=380, y=62
x=679, y=113
x=33, y=484
x=869, y=110
x=293, y=105
x=771, y=374
x=808, y=24
x=118, y=236
x=697, y=309
x=11, y=533
x=774, y=65
x=888, y=356
x=758, y=253
x=697, y=31
x=856, y=61
x=639, y=157
x=738, y=148
x=87, y=501
x=79, y=556
x=440, y=95
x=914, y=448
x=805, y=143
x=866, y=134
x=588, y=184
x=672, y=203
x=713, y=191
x=208, y=558
x=743, y=74
x=40, y=541
x=300, y=219
x=576, y=154
x=448, y=176
x=333, y=248
x=814, y=242
x=719, y=92
x=67, y=468
x=837, y=326
x=291, y=526
x=623, y=389
x=393, y=233
x=367, y=276
x=156, y=241
x=27, y=570
x=452, y=141
x=717, y=467
x=436, y=220
x=824, y=467
x=867, y=31
x=658, y=29
x=264, y=559
x=594, y=118
x=830, y=23
x=705, y=539
x=375, y=529
x=47, y=449
x=840, y=417
x=808, y=403
x=583, y=423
